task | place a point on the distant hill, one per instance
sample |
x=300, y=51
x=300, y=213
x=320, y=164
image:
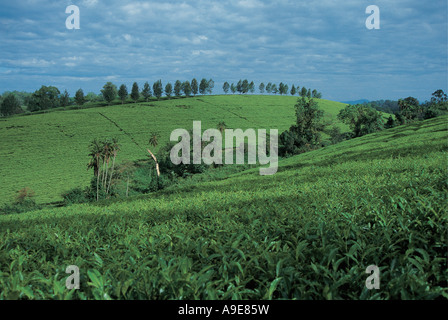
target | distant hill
x=356, y=101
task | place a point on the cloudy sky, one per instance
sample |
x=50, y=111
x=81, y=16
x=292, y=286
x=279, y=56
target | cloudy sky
x=322, y=44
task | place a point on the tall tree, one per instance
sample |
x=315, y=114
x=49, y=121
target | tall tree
x=252, y=87
x=178, y=88
x=305, y=135
x=409, y=108
x=123, y=93
x=281, y=88
x=274, y=89
x=146, y=92
x=186, y=87
x=44, y=98
x=233, y=88
x=169, y=90
x=269, y=88
x=239, y=86
x=221, y=127
x=135, y=92
x=203, y=86
x=194, y=87
x=293, y=90
x=210, y=86
x=65, y=99
x=10, y=105
x=109, y=92
x=303, y=92
x=261, y=87
x=245, y=86
x=79, y=97
x=157, y=88
x=226, y=87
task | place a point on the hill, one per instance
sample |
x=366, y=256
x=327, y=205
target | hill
x=49, y=152
x=308, y=232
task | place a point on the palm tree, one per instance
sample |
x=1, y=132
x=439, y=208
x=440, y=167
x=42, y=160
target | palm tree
x=95, y=152
x=221, y=127
x=154, y=141
x=115, y=147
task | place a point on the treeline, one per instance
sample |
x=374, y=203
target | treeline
x=243, y=87
x=306, y=134
x=50, y=97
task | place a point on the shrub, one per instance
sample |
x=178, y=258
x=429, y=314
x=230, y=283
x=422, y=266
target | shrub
x=76, y=195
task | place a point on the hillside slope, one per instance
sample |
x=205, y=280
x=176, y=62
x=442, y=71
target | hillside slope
x=48, y=152
x=308, y=232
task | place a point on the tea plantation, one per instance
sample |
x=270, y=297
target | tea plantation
x=48, y=153
x=308, y=232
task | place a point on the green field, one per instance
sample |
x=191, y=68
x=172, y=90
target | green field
x=308, y=232
x=49, y=152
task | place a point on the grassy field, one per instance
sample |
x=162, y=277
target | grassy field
x=48, y=152
x=308, y=232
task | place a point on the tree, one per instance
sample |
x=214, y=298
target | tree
x=123, y=93
x=102, y=159
x=194, y=87
x=221, y=127
x=281, y=88
x=186, y=87
x=135, y=92
x=437, y=106
x=92, y=97
x=79, y=97
x=409, y=108
x=239, y=86
x=203, y=86
x=361, y=119
x=269, y=88
x=233, y=88
x=210, y=86
x=10, y=105
x=154, y=142
x=439, y=97
x=64, y=99
x=157, y=88
x=169, y=90
x=305, y=135
x=109, y=92
x=308, y=94
x=274, y=89
x=252, y=87
x=44, y=98
x=146, y=92
x=178, y=88
x=261, y=88
x=303, y=92
x=245, y=86
x=390, y=123
x=226, y=87
x=314, y=93
x=293, y=90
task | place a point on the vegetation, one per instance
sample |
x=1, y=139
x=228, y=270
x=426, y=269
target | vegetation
x=10, y=105
x=308, y=232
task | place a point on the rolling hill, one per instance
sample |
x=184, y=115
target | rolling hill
x=49, y=152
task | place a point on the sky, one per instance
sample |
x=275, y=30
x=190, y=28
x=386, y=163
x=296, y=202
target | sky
x=321, y=44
